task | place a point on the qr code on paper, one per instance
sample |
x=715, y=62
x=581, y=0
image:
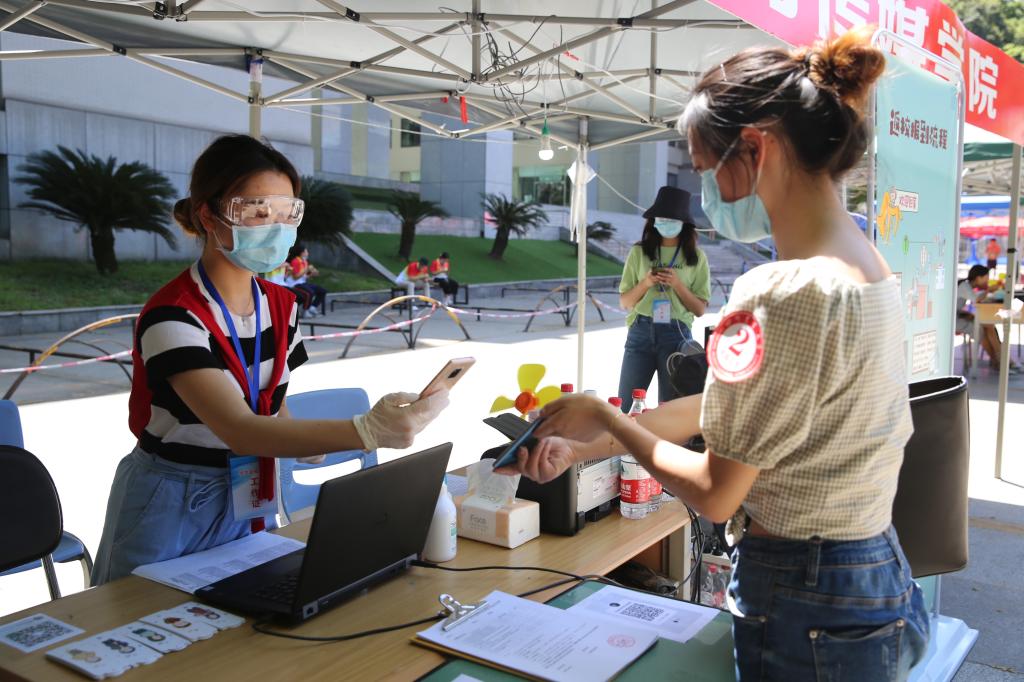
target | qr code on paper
x=642, y=612
x=40, y=632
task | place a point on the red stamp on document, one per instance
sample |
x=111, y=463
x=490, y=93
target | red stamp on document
x=621, y=641
x=736, y=350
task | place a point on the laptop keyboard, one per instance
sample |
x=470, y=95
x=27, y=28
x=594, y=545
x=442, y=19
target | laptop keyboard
x=281, y=592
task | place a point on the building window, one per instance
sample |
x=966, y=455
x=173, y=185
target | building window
x=409, y=176
x=543, y=184
x=410, y=135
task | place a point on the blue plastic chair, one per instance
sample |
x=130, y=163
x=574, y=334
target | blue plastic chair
x=70, y=547
x=332, y=403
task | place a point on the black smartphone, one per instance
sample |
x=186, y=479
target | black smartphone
x=508, y=455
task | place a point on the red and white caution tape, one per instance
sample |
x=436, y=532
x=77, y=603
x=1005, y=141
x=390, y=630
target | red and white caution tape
x=608, y=306
x=72, y=363
x=511, y=316
x=375, y=330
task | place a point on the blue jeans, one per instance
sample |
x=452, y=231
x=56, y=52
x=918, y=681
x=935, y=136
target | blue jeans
x=823, y=610
x=162, y=510
x=648, y=346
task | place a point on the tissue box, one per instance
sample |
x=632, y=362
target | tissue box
x=509, y=525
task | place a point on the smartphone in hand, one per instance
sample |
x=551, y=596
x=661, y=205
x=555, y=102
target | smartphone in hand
x=449, y=375
x=508, y=455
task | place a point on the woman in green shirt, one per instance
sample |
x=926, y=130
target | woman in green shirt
x=665, y=284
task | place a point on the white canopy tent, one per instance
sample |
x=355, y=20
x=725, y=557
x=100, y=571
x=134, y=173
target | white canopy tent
x=593, y=75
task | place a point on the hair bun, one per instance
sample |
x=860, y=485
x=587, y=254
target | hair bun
x=183, y=216
x=848, y=65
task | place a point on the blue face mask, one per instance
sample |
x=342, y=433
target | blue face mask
x=744, y=220
x=260, y=249
x=668, y=227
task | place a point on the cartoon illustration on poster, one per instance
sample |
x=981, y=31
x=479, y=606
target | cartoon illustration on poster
x=916, y=222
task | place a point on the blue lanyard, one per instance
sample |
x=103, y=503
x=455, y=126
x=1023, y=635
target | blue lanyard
x=254, y=375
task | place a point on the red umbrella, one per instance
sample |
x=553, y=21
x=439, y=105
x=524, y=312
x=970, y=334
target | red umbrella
x=987, y=226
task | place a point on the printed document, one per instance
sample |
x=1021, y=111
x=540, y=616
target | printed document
x=668, y=618
x=192, y=571
x=541, y=641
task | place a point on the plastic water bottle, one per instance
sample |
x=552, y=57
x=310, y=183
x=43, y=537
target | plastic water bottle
x=567, y=389
x=657, y=494
x=634, y=488
x=442, y=538
x=616, y=401
x=639, y=403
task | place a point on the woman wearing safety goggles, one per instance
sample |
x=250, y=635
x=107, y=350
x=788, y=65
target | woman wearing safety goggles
x=212, y=356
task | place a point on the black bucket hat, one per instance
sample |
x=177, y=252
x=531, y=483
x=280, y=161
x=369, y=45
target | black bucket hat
x=671, y=202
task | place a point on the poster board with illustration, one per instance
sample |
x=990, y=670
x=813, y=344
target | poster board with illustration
x=918, y=142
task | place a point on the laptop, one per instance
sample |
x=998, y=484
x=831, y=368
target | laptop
x=367, y=527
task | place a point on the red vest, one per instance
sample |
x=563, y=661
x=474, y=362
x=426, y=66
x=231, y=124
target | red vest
x=183, y=292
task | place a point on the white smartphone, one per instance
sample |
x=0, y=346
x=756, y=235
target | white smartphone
x=449, y=375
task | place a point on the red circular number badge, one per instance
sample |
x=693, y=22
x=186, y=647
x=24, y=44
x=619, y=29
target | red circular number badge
x=736, y=350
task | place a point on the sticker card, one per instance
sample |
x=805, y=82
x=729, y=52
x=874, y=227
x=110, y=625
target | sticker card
x=188, y=627
x=222, y=620
x=91, y=658
x=736, y=351
x=36, y=632
x=130, y=652
x=155, y=638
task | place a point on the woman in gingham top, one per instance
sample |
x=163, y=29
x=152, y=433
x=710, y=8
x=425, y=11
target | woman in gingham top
x=805, y=412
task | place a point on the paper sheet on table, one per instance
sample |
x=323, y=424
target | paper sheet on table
x=668, y=618
x=192, y=571
x=541, y=641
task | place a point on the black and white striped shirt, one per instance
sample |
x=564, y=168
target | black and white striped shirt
x=172, y=340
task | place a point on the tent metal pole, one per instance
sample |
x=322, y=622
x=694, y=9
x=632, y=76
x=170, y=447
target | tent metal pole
x=653, y=76
x=61, y=28
x=410, y=45
x=533, y=129
x=355, y=93
x=558, y=105
x=632, y=138
x=255, y=90
x=1011, y=277
x=170, y=70
x=475, y=40
x=21, y=14
x=578, y=215
x=17, y=55
x=346, y=70
x=541, y=56
x=615, y=21
x=186, y=51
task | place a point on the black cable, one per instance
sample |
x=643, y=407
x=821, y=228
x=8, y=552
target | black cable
x=260, y=625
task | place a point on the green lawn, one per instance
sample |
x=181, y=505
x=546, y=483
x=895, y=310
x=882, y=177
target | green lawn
x=524, y=258
x=48, y=284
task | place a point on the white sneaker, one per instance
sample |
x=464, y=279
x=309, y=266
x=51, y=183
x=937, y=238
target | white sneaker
x=311, y=312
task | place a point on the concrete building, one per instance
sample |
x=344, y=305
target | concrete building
x=110, y=106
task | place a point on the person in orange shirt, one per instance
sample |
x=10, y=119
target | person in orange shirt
x=299, y=271
x=992, y=252
x=416, y=271
x=439, y=272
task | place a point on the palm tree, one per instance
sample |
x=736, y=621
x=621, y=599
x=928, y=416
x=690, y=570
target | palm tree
x=511, y=216
x=328, y=213
x=598, y=231
x=99, y=195
x=410, y=209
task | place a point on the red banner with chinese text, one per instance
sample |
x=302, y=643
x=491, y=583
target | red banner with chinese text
x=994, y=80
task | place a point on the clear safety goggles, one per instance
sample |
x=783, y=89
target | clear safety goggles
x=262, y=211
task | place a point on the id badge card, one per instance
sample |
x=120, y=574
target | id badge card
x=245, y=490
x=661, y=311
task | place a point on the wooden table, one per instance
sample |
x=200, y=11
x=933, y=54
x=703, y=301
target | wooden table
x=984, y=314
x=242, y=654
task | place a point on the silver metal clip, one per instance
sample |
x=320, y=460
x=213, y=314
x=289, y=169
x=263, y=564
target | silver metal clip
x=457, y=611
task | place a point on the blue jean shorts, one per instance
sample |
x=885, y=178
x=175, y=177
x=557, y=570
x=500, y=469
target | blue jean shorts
x=824, y=610
x=162, y=510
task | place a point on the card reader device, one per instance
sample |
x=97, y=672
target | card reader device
x=586, y=492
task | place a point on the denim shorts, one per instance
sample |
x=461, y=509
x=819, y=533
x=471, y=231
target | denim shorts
x=162, y=510
x=825, y=610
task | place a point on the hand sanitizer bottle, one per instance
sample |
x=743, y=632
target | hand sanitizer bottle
x=443, y=533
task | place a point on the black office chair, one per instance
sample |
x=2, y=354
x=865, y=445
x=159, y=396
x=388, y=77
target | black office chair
x=31, y=508
x=930, y=509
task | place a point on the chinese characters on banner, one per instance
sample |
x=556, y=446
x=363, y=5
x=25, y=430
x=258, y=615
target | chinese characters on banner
x=994, y=81
x=918, y=117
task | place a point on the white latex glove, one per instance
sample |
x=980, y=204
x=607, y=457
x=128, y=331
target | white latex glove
x=397, y=418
